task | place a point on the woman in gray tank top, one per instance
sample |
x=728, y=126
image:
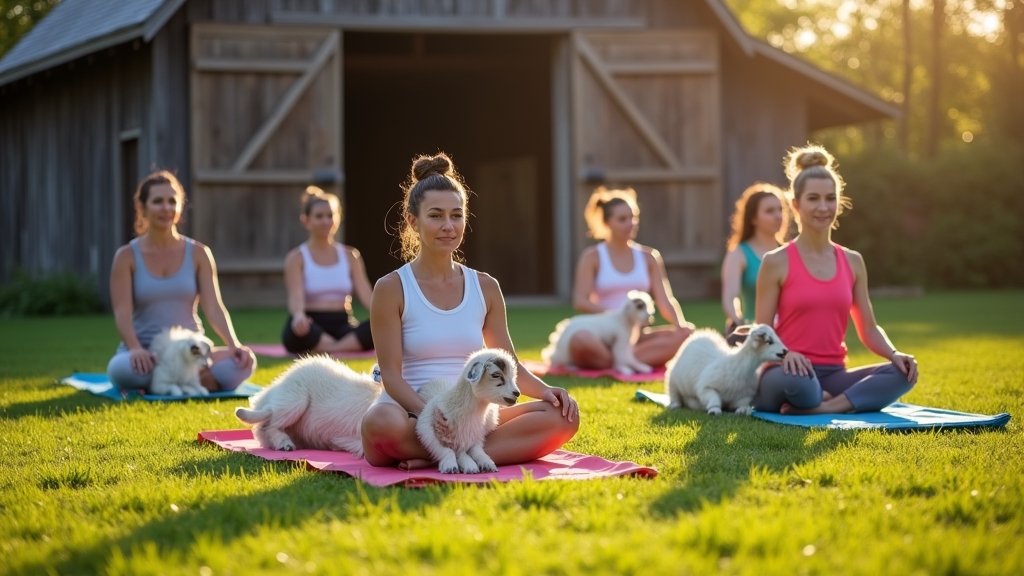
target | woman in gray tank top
x=157, y=281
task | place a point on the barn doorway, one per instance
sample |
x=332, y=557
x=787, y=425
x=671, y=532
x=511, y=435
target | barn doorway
x=486, y=101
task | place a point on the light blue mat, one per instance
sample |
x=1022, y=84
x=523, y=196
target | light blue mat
x=99, y=385
x=898, y=416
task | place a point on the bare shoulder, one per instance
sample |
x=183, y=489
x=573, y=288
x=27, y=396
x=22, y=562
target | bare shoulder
x=293, y=255
x=854, y=258
x=775, y=260
x=389, y=284
x=124, y=254
x=202, y=252
x=488, y=284
x=589, y=254
x=352, y=252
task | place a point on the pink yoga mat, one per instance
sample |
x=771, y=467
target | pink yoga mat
x=278, y=351
x=559, y=465
x=542, y=369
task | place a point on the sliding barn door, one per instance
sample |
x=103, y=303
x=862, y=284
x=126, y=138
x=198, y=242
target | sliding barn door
x=266, y=119
x=647, y=116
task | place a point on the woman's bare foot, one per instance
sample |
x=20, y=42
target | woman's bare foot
x=832, y=405
x=825, y=396
x=414, y=464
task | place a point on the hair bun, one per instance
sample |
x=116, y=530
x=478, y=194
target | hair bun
x=801, y=159
x=426, y=166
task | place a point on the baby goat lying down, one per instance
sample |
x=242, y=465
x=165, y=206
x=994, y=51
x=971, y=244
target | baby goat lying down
x=618, y=329
x=319, y=403
x=708, y=375
x=456, y=420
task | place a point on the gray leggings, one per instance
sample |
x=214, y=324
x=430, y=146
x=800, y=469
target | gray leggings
x=226, y=372
x=869, y=388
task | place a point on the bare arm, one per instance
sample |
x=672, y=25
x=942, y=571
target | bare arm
x=294, y=284
x=121, y=296
x=868, y=330
x=661, y=290
x=121, y=300
x=732, y=275
x=360, y=281
x=386, y=318
x=209, y=296
x=770, y=278
x=583, y=285
x=496, y=336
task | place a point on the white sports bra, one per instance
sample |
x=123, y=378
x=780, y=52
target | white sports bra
x=611, y=286
x=436, y=343
x=325, y=283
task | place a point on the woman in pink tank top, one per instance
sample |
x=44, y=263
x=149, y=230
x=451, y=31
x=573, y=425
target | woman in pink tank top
x=809, y=289
x=613, y=217
x=434, y=223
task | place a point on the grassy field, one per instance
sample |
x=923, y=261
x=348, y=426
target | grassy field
x=92, y=486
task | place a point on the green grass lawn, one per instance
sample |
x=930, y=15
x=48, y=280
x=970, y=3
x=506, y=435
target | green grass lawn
x=88, y=485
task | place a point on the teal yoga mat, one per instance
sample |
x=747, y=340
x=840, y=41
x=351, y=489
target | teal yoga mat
x=99, y=385
x=898, y=416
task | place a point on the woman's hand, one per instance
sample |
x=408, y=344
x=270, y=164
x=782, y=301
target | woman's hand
x=242, y=356
x=300, y=324
x=142, y=361
x=559, y=398
x=905, y=363
x=796, y=363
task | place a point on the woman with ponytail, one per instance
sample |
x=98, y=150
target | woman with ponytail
x=321, y=277
x=429, y=316
x=809, y=289
x=609, y=270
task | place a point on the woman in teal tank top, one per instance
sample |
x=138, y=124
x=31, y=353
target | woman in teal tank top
x=157, y=281
x=758, y=226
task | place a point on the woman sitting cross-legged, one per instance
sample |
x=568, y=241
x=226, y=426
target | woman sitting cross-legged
x=321, y=276
x=156, y=282
x=609, y=270
x=815, y=286
x=429, y=316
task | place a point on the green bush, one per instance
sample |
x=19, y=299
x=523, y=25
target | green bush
x=61, y=294
x=954, y=222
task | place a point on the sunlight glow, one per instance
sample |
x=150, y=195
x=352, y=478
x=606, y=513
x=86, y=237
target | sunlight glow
x=968, y=137
x=805, y=39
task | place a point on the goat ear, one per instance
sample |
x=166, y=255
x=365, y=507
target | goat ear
x=475, y=372
x=743, y=330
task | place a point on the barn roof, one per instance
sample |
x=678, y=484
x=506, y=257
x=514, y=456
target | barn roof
x=75, y=28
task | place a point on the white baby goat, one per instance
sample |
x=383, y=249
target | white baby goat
x=617, y=329
x=708, y=375
x=180, y=354
x=457, y=419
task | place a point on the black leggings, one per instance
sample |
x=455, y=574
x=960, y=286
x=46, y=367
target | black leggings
x=335, y=324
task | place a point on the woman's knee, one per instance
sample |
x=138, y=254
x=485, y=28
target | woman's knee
x=559, y=426
x=379, y=425
x=120, y=373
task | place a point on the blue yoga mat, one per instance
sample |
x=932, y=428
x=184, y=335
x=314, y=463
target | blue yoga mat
x=99, y=385
x=897, y=416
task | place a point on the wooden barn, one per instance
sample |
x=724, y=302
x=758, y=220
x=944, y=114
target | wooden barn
x=537, y=100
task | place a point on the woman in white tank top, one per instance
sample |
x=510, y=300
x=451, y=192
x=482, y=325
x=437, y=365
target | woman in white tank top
x=429, y=316
x=321, y=276
x=608, y=271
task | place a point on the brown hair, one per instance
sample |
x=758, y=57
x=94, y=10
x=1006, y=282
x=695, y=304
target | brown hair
x=746, y=211
x=813, y=161
x=142, y=195
x=314, y=195
x=599, y=209
x=428, y=173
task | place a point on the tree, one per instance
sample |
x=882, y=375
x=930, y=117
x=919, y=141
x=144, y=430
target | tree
x=18, y=17
x=935, y=93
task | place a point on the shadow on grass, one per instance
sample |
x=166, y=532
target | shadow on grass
x=55, y=406
x=728, y=449
x=318, y=497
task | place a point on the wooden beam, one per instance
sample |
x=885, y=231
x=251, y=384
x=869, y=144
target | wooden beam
x=661, y=68
x=456, y=24
x=259, y=140
x=632, y=113
x=250, y=265
x=657, y=175
x=692, y=257
x=268, y=66
x=269, y=177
